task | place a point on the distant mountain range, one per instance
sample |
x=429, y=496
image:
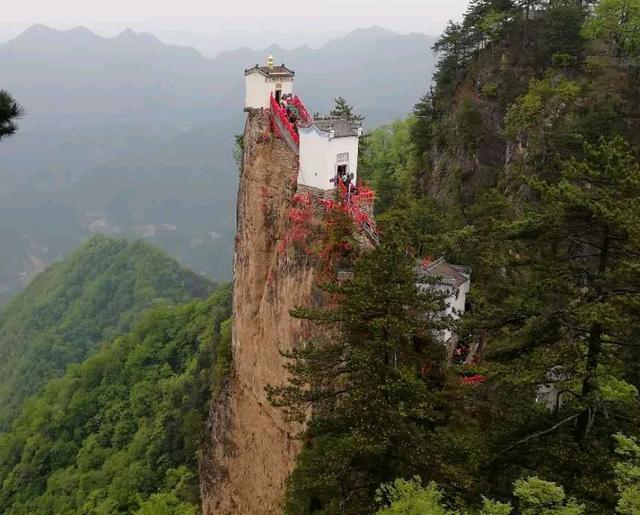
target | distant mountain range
x=135, y=76
x=133, y=137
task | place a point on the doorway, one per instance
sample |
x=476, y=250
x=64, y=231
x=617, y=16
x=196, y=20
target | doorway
x=342, y=173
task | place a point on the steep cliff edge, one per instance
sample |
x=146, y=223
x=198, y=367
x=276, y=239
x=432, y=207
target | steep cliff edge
x=251, y=448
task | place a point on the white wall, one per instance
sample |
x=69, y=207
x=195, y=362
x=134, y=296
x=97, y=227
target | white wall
x=454, y=301
x=259, y=88
x=456, y=304
x=344, y=145
x=314, y=148
x=318, y=157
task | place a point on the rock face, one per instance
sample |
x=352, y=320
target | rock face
x=251, y=448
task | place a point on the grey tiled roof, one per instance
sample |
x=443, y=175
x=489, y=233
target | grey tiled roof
x=446, y=273
x=342, y=127
x=274, y=71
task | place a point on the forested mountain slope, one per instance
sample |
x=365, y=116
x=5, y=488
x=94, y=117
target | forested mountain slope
x=120, y=432
x=64, y=315
x=522, y=163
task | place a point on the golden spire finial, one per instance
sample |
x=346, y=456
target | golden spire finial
x=270, y=61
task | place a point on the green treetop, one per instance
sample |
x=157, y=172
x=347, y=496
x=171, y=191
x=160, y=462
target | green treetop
x=343, y=108
x=616, y=22
x=533, y=497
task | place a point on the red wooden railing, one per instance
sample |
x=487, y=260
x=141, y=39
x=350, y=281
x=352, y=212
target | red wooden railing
x=280, y=115
x=304, y=114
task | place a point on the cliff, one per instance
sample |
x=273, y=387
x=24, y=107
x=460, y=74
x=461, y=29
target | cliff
x=251, y=448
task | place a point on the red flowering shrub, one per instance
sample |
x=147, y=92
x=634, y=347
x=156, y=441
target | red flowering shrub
x=326, y=228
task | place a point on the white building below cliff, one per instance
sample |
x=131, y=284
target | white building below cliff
x=454, y=281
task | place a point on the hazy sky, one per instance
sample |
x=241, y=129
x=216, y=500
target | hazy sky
x=193, y=21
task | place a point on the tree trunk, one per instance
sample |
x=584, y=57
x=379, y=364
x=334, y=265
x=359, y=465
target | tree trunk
x=594, y=350
x=590, y=381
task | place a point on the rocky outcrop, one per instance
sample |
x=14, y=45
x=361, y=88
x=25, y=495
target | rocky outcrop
x=251, y=448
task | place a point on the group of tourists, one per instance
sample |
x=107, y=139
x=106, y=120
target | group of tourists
x=345, y=178
x=293, y=114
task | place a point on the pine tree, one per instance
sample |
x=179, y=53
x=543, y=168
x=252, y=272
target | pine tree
x=566, y=313
x=10, y=111
x=343, y=108
x=422, y=132
x=370, y=379
x=586, y=228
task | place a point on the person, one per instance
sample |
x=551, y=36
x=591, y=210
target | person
x=294, y=110
x=351, y=187
x=292, y=114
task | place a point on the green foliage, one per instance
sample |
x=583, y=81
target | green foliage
x=422, y=130
x=538, y=497
x=561, y=310
x=386, y=161
x=410, y=498
x=372, y=405
x=489, y=89
x=521, y=162
x=534, y=497
x=78, y=303
x=618, y=390
x=238, y=149
x=490, y=507
x=344, y=109
x=224, y=357
x=537, y=111
x=561, y=34
x=617, y=23
x=469, y=125
x=120, y=432
x=423, y=222
x=628, y=474
x=454, y=49
x=166, y=504
x=493, y=22
x=10, y=111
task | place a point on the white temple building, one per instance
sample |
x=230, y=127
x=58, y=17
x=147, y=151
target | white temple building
x=263, y=81
x=327, y=147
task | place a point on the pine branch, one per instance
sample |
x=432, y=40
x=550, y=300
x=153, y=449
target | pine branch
x=539, y=433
